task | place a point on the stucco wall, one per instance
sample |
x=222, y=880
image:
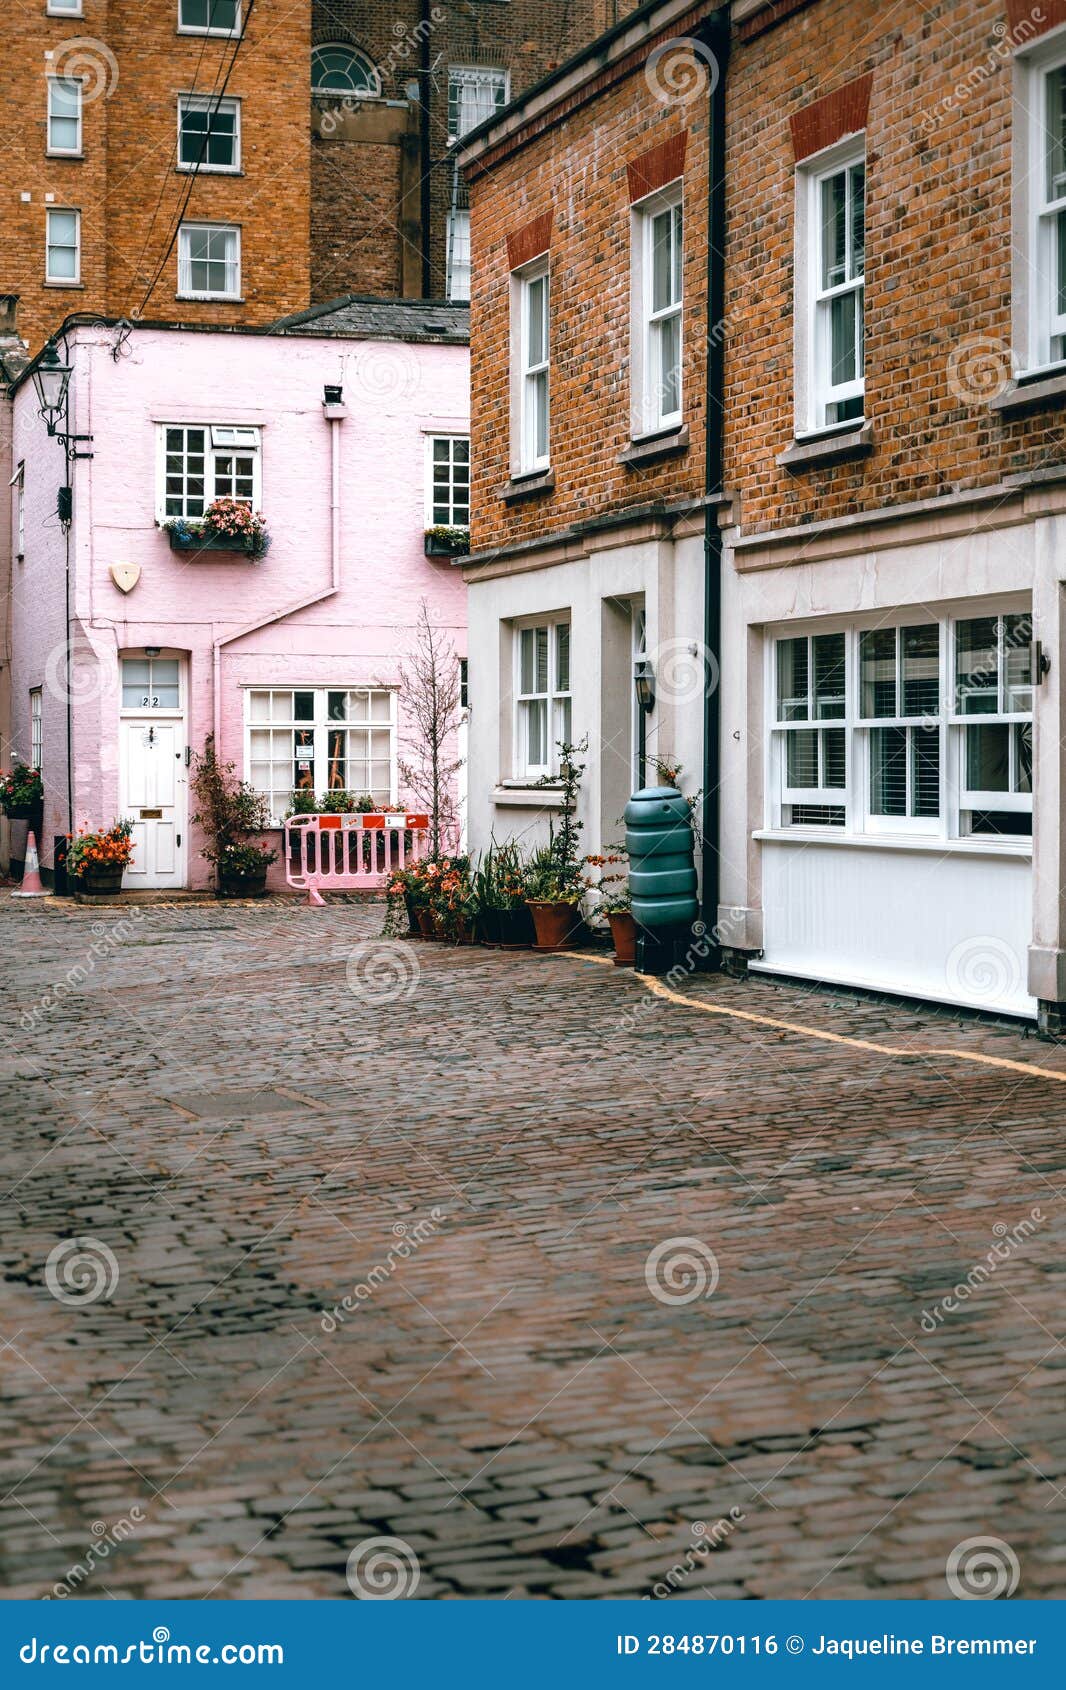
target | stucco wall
x=394, y=394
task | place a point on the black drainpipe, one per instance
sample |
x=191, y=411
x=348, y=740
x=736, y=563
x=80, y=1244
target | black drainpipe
x=715, y=36
x=425, y=89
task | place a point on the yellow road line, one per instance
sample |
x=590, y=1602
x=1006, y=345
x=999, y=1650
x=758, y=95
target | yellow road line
x=656, y=987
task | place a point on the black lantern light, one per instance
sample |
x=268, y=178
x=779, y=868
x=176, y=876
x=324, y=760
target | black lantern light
x=644, y=681
x=51, y=380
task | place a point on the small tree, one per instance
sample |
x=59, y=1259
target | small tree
x=231, y=812
x=429, y=684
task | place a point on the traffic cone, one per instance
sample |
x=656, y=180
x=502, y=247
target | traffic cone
x=31, y=875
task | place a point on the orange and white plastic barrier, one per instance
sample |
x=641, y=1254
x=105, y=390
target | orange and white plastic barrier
x=345, y=853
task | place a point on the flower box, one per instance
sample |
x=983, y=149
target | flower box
x=447, y=542
x=184, y=540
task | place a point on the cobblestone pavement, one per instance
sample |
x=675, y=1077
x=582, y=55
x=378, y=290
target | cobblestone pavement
x=640, y=1300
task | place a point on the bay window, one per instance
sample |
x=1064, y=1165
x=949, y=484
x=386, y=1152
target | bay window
x=320, y=740
x=543, y=718
x=914, y=725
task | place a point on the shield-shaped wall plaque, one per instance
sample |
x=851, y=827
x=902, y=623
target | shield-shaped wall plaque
x=125, y=576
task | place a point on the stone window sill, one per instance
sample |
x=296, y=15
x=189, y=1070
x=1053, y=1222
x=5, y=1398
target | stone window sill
x=654, y=448
x=526, y=487
x=811, y=452
x=1021, y=395
x=513, y=795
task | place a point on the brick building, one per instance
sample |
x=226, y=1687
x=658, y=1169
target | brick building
x=395, y=83
x=117, y=200
x=888, y=763
x=591, y=507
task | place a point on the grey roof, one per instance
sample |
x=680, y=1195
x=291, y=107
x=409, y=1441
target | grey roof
x=357, y=318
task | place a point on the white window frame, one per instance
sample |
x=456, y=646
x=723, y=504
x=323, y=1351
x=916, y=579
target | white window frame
x=221, y=440
x=1037, y=322
x=648, y=413
x=973, y=800
x=36, y=727
x=957, y=803
x=62, y=281
x=51, y=149
x=322, y=91
x=557, y=700
x=459, y=270
x=493, y=79
x=209, y=103
x=207, y=29
x=185, y=262
x=431, y=465
x=149, y=704
x=317, y=730
x=18, y=482
x=63, y=8
x=526, y=460
x=815, y=392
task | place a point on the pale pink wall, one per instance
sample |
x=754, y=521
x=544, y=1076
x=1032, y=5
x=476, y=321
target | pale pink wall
x=394, y=394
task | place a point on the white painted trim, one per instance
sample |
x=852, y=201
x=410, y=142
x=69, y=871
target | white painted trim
x=209, y=103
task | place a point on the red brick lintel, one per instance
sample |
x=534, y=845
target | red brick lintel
x=525, y=244
x=1029, y=19
x=844, y=112
x=654, y=169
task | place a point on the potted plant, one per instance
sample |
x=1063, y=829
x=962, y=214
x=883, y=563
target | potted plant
x=227, y=525
x=231, y=814
x=21, y=792
x=611, y=885
x=503, y=915
x=405, y=891
x=555, y=881
x=97, y=861
x=447, y=540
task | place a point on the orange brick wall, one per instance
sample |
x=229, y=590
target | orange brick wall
x=135, y=63
x=578, y=170
x=938, y=257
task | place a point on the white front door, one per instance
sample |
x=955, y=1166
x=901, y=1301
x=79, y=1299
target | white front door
x=153, y=796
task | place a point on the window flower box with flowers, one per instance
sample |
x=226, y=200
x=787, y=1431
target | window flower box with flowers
x=227, y=525
x=444, y=540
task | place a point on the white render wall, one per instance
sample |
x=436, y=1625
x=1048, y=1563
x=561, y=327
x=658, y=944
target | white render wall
x=668, y=574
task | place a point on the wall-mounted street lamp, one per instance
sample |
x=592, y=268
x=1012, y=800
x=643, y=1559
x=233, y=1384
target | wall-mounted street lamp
x=51, y=379
x=644, y=682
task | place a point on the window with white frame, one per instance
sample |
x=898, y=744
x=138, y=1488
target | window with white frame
x=151, y=683
x=658, y=254
x=475, y=93
x=209, y=17
x=1046, y=180
x=18, y=482
x=543, y=717
x=63, y=247
x=201, y=463
x=320, y=740
x=64, y=116
x=209, y=261
x=916, y=725
x=36, y=728
x=337, y=68
x=209, y=133
x=64, y=8
x=458, y=278
x=834, y=273
x=448, y=494
x=534, y=350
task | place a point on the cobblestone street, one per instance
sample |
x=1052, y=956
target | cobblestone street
x=575, y=1290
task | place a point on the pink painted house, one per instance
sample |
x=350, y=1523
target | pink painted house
x=347, y=427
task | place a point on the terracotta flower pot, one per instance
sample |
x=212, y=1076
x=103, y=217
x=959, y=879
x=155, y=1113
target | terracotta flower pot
x=624, y=934
x=425, y=924
x=558, y=926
